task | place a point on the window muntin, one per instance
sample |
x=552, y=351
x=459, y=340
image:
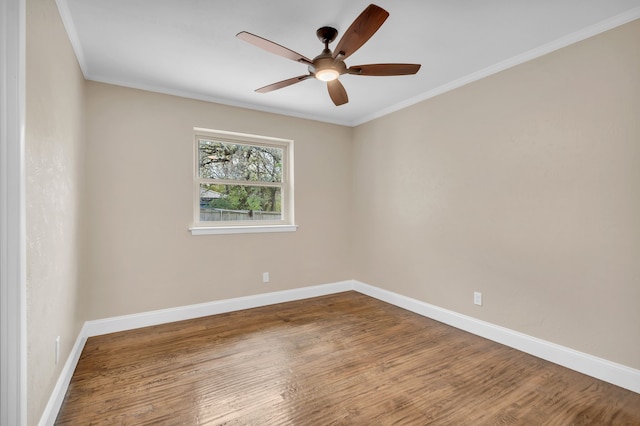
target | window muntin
x=242, y=180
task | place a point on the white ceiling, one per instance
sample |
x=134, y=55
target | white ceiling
x=188, y=47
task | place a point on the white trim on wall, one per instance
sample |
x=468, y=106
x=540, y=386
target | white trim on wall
x=599, y=368
x=52, y=408
x=590, y=31
x=223, y=230
x=13, y=344
x=611, y=372
x=569, y=39
x=67, y=21
x=163, y=316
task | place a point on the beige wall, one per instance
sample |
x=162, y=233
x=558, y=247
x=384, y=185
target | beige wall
x=54, y=170
x=523, y=186
x=141, y=256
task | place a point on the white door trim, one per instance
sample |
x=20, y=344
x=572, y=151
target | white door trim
x=13, y=344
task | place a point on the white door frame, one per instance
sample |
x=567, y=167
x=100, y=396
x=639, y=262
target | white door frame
x=13, y=339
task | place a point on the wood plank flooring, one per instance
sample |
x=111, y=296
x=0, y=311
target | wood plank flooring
x=342, y=359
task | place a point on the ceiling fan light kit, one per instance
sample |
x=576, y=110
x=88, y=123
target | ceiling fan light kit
x=327, y=74
x=328, y=66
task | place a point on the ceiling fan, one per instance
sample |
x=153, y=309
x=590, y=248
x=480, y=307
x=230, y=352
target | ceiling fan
x=328, y=65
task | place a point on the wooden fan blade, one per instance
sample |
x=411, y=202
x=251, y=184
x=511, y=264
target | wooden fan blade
x=384, y=69
x=361, y=30
x=283, y=83
x=272, y=47
x=337, y=92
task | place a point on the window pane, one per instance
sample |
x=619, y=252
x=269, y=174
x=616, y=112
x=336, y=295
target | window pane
x=229, y=161
x=239, y=203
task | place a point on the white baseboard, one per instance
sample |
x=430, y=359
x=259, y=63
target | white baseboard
x=599, y=368
x=50, y=413
x=163, y=316
x=611, y=372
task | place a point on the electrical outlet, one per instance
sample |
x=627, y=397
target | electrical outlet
x=477, y=298
x=265, y=277
x=57, y=349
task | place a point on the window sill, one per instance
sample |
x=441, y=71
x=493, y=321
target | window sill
x=214, y=230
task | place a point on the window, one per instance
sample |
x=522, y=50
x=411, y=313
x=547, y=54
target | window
x=243, y=183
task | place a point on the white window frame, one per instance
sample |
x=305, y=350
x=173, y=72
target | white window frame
x=286, y=224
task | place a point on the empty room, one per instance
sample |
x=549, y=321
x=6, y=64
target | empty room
x=309, y=213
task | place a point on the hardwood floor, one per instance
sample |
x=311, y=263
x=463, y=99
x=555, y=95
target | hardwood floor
x=343, y=359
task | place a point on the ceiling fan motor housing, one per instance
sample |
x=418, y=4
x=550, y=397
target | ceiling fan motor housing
x=324, y=62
